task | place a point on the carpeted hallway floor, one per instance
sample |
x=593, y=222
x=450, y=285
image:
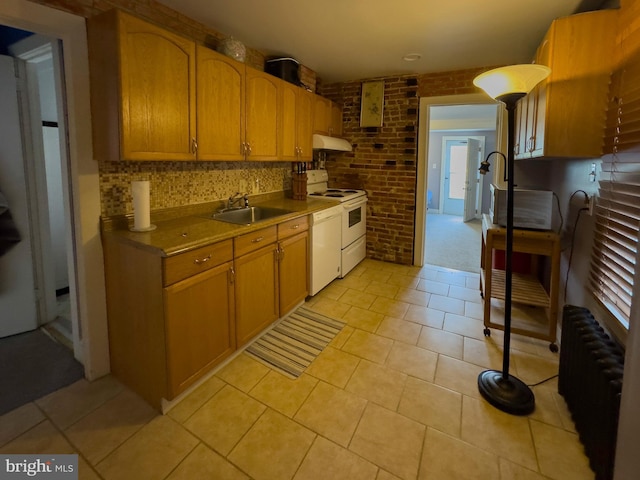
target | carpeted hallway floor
x=32, y=364
x=452, y=243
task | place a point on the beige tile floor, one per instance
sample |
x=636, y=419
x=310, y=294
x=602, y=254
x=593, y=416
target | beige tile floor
x=393, y=397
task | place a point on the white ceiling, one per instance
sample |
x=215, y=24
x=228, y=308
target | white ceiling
x=344, y=40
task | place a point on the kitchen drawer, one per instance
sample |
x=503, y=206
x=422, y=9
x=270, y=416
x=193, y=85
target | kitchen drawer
x=182, y=266
x=292, y=227
x=252, y=241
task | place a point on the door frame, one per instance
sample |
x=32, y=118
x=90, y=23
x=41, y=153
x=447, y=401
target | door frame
x=420, y=223
x=83, y=175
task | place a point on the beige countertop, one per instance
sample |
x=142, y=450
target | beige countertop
x=185, y=228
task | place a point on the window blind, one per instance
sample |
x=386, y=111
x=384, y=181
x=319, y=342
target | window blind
x=618, y=211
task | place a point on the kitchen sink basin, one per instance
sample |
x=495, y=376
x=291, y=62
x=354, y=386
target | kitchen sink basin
x=249, y=215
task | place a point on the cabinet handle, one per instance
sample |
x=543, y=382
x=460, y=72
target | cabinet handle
x=194, y=146
x=200, y=261
x=258, y=239
x=295, y=227
x=248, y=149
x=232, y=275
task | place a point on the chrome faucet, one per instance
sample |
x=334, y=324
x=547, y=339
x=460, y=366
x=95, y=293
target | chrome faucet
x=233, y=199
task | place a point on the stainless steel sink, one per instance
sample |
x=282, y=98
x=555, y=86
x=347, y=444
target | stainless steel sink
x=249, y=215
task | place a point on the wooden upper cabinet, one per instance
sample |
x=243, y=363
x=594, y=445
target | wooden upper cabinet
x=295, y=127
x=261, y=115
x=321, y=115
x=143, y=90
x=221, y=106
x=327, y=117
x=566, y=112
x=304, y=124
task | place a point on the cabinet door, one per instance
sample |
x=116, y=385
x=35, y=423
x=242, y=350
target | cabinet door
x=293, y=271
x=261, y=115
x=304, y=125
x=288, y=108
x=157, y=75
x=336, y=120
x=220, y=103
x=543, y=57
x=520, y=125
x=321, y=115
x=199, y=314
x=256, y=292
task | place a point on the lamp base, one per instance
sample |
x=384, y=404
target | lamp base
x=510, y=394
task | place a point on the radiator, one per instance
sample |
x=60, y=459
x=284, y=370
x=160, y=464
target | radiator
x=590, y=380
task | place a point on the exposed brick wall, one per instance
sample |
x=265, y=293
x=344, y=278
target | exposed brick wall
x=384, y=159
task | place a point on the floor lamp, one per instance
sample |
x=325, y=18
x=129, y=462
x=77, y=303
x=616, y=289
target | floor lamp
x=508, y=85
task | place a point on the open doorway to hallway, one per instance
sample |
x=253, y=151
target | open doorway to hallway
x=86, y=279
x=451, y=195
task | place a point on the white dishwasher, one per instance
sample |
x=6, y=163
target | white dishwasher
x=326, y=244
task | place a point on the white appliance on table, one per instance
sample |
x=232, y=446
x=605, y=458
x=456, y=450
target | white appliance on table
x=351, y=234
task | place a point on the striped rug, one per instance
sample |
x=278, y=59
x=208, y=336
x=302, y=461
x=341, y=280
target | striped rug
x=294, y=342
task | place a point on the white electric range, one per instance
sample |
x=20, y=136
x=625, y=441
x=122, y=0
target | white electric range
x=351, y=205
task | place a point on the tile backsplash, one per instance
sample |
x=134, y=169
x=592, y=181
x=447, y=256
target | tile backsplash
x=176, y=184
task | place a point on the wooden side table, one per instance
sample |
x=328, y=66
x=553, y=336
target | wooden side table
x=526, y=289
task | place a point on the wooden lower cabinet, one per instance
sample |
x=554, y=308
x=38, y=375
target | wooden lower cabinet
x=256, y=292
x=199, y=314
x=170, y=318
x=293, y=271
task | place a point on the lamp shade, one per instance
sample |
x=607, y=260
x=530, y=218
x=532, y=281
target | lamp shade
x=511, y=79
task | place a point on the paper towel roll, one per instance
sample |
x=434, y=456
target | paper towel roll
x=141, y=208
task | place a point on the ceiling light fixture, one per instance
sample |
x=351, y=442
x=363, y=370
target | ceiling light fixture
x=412, y=57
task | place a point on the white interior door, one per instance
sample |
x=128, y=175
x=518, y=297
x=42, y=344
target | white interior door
x=471, y=182
x=17, y=287
x=455, y=174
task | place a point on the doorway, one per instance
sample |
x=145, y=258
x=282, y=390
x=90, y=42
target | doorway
x=86, y=279
x=459, y=117
x=33, y=86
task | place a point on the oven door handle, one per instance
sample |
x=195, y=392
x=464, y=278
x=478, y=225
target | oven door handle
x=356, y=203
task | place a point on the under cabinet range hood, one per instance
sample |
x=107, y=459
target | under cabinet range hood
x=324, y=142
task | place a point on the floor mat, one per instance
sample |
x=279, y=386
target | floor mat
x=32, y=365
x=293, y=343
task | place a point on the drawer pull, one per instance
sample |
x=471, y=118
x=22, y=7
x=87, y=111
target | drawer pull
x=295, y=227
x=200, y=261
x=258, y=239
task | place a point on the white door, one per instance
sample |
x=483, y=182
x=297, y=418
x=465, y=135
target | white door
x=455, y=175
x=17, y=287
x=471, y=182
